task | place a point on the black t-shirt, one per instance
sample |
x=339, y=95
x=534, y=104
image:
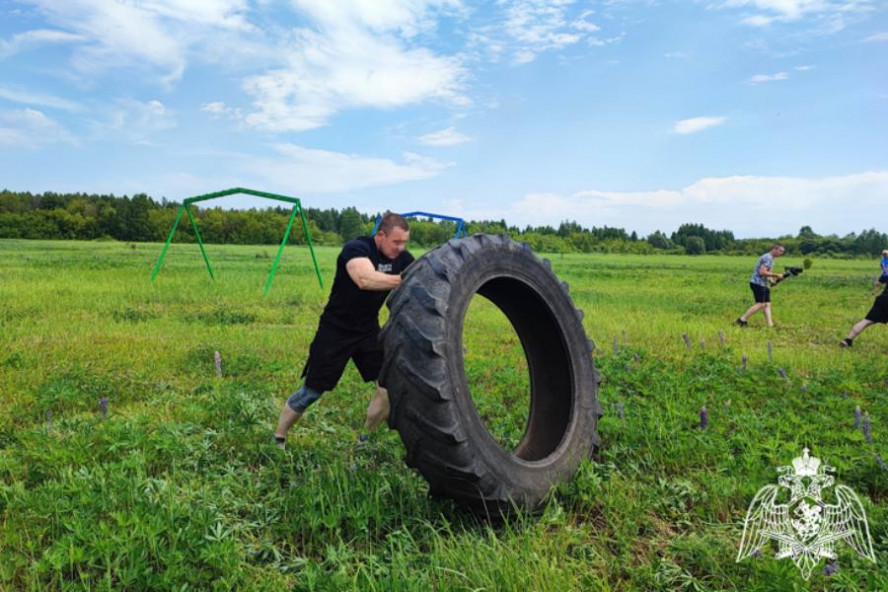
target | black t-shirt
x=349, y=307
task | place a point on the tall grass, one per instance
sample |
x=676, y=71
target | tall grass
x=180, y=486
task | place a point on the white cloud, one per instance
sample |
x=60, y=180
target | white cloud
x=348, y=54
x=760, y=78
x=358, y=57
x=220, y=109
x=542, y=25
x=406, y=17
x=29, y=128
x=35, y=38
x=582, y=24
x=290, y=170
x=445, y=137
x=750, y=206
x=224, y=14
x=803, y=68
x=136, y=121
x=758, y=20
x=831, y=15
x=876, y=38
x=154, y=33
x=784, y=9
x=697, y=124
x=216, y=107
x=532, y=27
x=27, y=97
x=307, y=170
x=599, y=42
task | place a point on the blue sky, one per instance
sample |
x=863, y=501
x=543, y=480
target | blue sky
x=759, y=116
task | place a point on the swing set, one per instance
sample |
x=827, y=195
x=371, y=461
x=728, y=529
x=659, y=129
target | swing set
x=297, y=209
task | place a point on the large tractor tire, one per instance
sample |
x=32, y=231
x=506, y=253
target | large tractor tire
x=431, y=404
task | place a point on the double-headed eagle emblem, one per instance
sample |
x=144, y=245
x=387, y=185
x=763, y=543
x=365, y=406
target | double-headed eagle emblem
x=806, y=528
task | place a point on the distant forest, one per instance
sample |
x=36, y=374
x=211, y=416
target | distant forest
x=140, y=218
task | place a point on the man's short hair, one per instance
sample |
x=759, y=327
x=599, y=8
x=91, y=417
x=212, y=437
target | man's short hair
x=776, y=245
x=391, y=221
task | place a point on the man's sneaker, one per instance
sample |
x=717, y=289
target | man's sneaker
x=280, y=442
x=741, y=322
x=846, y=342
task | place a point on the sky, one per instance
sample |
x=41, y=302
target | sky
x=756, y=116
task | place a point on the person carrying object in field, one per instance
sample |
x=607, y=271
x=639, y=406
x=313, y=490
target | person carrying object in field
x=760, y=282
x=883, y=277
x=878, y=313
x=367, y=269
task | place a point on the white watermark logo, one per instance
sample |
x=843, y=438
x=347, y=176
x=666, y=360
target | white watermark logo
x=805, y=527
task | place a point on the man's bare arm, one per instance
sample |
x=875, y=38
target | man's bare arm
x=365, y=277
x=765, y=272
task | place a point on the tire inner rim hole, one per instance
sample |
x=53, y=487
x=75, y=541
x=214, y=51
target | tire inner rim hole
x=517, y=368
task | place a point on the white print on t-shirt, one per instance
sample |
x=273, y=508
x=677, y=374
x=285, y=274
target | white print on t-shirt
x=384, y=267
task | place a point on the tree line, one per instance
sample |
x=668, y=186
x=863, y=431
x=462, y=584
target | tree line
x=140, y=218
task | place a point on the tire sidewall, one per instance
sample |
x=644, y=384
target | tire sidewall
x=527, y=479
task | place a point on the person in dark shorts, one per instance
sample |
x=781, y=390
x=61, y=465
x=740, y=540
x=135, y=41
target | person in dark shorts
x=760, y=283
x=877, y=314
x=367, y=269
x=883, y=277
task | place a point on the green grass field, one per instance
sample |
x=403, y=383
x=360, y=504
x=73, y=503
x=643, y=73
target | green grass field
x=179, y=487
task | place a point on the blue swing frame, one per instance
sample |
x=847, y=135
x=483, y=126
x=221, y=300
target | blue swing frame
x=460, y=227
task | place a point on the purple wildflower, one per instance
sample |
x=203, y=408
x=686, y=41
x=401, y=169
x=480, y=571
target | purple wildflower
x=217, y=358
x=103, y=406
x=781, y=372
x=831, y=568
x=704, y=417
x=744, y=360
x=804, y=389
x=770, y=352
x=756, y=553
x=857, y=417
x=621, y=411
x=881, y=462
x=687, y=340
x=636, y=357
x=865, y=427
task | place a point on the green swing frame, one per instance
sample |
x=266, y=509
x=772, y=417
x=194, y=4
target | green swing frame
x=297, y=209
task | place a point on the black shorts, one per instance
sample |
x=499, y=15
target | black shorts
x=760, y=293
x=330, y=352
x=879, y=312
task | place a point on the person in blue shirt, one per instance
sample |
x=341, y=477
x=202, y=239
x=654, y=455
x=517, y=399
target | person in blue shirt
x=883, y=277
x=367, y=269
x=760, y=283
